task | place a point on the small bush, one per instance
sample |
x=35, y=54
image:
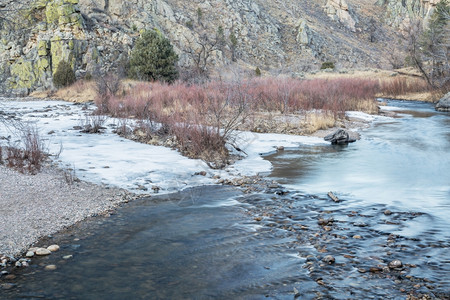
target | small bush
x=64, y=75
x=26, y=155
x=88, y=76
x=257, y=72
x=106, y=87
x=327, y=65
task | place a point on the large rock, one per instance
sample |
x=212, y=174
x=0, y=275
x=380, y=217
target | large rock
x=338, y=10
x=339, y=137
x=444, y=103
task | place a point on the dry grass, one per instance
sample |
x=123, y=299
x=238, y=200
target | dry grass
x=405, y=84
x=318, y=120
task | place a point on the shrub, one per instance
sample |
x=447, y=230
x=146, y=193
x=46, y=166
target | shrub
x=64, y=75
x=257, y=72
x=153, y=58
x=327, y=65
x=28, y=153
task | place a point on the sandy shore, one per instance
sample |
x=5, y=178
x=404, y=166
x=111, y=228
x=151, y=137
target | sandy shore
x=33, y=206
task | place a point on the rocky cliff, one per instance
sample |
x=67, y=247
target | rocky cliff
x=290, y=36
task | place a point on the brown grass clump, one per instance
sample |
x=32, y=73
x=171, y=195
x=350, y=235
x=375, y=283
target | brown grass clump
x=317, y=120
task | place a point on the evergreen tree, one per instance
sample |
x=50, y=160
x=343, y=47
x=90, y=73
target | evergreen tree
x=153, y=58
x=64, y=75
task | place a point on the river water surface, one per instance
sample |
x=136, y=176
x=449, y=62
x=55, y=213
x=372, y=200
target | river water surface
x=216, y=242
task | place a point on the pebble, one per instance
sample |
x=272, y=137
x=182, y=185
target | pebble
x=375, y=270
x=296, y=293
x=29, y=254
x=387, y=212
x=324, y=222
x=10, y=277
x=357, y=237
x=53, y=248
x=43, y=251
x=50, y=268
x=329, y=259
x=396, y=263
x=7, y=286
x=67, y=256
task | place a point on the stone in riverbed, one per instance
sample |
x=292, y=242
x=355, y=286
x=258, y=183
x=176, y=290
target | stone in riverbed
x=50, y=268
x=339, y=137
x=7, y=286
x=42, y=251
x=396, y=263
x=30, y=254
x=444, y=103
x=53, y=248
x=329, y=259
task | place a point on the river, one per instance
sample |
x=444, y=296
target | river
x=217, y=242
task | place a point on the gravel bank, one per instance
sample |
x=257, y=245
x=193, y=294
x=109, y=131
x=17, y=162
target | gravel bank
x=32, y=206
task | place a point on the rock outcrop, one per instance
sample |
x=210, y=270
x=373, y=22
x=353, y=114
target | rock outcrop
x=338, y=10
x=291, y=36
x=58, y=31
x=400, y=13
x=444, y=103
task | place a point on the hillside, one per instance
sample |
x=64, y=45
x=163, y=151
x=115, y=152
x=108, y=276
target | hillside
x=289, y=36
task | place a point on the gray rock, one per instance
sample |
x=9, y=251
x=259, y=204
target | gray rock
x=339, y=137
x=53, y=248
x=329, y=259
x=29, y=254
x=43, y=251
x=396, y=263
x=50, y=268
x=444, y=103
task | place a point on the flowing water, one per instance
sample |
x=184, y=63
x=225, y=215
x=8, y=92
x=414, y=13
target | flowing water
x=216, y=242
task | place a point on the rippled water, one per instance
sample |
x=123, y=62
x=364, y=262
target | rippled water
x=402, y=163
x=215, y=242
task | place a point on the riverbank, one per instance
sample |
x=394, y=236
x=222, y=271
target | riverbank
x=33, y=206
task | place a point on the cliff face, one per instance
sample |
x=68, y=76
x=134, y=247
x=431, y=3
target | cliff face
x=400, y=13
x=288, y=36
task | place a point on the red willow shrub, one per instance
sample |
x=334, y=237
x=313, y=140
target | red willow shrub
x=203, y=117
x=401, y=85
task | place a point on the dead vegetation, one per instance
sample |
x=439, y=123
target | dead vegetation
x=24, y=151
x=200, y=119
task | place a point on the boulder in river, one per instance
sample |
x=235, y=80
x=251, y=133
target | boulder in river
x=444, y=103
x=339, y=137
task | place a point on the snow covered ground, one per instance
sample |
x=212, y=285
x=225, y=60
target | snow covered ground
x=110, y=159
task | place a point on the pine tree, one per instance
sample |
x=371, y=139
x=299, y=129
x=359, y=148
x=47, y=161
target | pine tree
x=153, y=58
x=64, y=75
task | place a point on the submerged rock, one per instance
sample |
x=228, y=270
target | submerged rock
x=329, y=259
x=444, y=103
x=339, y=137
x=395, y=264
